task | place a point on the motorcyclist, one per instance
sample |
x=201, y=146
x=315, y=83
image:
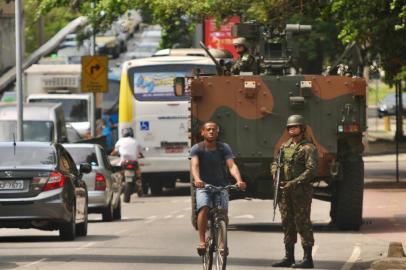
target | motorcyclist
x=130, y=151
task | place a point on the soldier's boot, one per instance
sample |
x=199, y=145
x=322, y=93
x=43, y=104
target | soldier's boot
x=289, y=258
x=307, y=262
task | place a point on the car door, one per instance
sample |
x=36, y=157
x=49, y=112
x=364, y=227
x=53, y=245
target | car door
x=114, y=178
x=79, y=186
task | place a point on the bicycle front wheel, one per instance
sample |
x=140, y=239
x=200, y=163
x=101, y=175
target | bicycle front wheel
x=221, y=250
x=207, y=258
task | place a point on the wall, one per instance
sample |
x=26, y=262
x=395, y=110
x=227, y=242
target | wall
x=7, y=36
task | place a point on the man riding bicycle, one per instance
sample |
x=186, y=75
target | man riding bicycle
x=208, y=161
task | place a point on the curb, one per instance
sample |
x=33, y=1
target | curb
x=396, y=259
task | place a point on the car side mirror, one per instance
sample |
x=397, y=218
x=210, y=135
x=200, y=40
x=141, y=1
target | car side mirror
x=85, y=168
x=179, y=86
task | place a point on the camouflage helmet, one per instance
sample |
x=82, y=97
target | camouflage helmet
x=295, y=120
x=240, y=41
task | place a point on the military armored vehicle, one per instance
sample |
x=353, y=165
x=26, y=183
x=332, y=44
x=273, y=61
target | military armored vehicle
x=251, y=111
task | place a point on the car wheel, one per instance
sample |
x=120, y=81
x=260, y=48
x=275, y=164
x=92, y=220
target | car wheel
x=81, y=228
x=107, y=213
x=117, y=211
x=67, y=231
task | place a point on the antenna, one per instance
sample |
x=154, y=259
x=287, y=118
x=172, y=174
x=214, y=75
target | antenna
x=14, y=143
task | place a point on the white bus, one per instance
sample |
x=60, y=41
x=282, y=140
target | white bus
x=160, y=120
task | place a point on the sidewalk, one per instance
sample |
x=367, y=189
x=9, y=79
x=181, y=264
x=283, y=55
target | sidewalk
x=381, y=143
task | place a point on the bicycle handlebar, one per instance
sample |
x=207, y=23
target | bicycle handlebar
x=228, y=188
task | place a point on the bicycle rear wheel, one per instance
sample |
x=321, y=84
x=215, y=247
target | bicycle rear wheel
x=221, y=250
x=207, y=258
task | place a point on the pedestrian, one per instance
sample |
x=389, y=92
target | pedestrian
x=298, y=169
x=245, y=62
x=209, y=160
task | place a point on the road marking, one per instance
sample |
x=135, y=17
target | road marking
x=180, y=216
x=244, y=216
x=123, y=231
x=356, y=252
x=85, y=246
x=314, y=251
x=167, y=217
x=34, y=263
x=150, y=219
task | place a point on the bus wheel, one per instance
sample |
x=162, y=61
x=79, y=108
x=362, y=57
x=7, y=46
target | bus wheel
x=156, y=186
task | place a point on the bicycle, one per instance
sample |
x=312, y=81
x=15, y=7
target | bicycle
x=216, y=240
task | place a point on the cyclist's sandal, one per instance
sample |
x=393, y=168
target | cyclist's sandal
x=223, y=252
x=201, y=249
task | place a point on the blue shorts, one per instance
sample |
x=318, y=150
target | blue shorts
x=205, y=197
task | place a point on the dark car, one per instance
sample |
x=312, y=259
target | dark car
x=40, y=187
x=387, y=106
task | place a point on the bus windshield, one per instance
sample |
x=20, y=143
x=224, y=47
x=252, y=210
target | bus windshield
x=155, y=83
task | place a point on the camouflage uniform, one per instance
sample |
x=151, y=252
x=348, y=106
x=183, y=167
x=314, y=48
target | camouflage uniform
x=244, y=63
x=299, y=165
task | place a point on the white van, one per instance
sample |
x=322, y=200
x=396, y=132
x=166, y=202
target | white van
x=43, y=122
x=76, y=108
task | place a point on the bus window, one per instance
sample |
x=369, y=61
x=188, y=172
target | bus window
x=155, y=83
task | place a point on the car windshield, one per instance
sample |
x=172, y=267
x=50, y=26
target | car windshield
x=155, y=83
x=83, y=155
x=41, y=131
x=75, y=110
x=26, y=156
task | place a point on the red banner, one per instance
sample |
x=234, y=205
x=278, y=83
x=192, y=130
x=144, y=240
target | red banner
x=221, y=37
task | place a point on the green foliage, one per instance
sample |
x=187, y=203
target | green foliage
x=54, y=20
x=377, y=26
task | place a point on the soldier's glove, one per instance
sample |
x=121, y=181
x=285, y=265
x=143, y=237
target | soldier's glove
x=289, y=185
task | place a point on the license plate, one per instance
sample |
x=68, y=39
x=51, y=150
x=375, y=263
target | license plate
x=174, y=149
x=11, y=184
x=128, y=179
x=129, y=173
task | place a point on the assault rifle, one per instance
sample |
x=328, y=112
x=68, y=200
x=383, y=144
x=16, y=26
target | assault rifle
x=277, y=182
x=219, y=68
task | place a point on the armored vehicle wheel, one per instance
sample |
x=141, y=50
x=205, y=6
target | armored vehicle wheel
x=346, y=206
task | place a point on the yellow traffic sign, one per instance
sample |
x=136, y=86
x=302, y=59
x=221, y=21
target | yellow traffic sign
x=94, y=73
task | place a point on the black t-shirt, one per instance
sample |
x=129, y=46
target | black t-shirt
x=212, y=163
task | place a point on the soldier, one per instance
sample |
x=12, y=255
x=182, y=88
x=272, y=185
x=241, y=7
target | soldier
x=298, y=168
x=245, y=62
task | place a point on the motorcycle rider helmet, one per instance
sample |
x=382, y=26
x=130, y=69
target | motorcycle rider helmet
x=127, y=132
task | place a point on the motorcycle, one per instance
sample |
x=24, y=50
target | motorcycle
x=133, y=181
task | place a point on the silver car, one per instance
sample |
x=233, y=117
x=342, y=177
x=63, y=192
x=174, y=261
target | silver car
x=103, y=184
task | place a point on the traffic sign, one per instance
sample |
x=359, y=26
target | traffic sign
x=94, y=73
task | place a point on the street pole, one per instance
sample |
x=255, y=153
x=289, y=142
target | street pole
x=399, y=123
x=19, y=88
x=93, y=99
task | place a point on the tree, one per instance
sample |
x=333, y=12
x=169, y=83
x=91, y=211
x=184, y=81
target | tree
x=377, y=26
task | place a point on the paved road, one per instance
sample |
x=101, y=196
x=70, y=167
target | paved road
x=156, y=233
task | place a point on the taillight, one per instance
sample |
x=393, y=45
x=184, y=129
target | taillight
x=130, y=166
x=55, y=180
x=351, y=128
x=100, y=182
